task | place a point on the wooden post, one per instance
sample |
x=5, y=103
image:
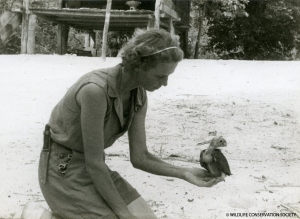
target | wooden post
x=62, y=39
x=31, y=34
x=28, y=30
x=92, y=39
x=86, y=40
x=93, y=43
x=157, y=13
x=150, y=23
x=172, y=30
x=105, y=29
x=62, y=35
x=60, y=4
x=25, y=21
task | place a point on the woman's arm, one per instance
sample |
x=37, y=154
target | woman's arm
x=93, y=103
x=142, y=159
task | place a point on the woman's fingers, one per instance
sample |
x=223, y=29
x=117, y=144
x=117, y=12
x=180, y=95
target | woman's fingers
x=210, y=183
x=213, y=182
x=207, y=179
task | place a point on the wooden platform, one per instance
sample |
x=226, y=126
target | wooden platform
x=93, y=19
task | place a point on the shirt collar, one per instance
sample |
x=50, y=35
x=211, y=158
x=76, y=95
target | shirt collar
x=114, y=80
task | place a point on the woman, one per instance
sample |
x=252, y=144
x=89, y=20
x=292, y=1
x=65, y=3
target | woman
x=99, y=108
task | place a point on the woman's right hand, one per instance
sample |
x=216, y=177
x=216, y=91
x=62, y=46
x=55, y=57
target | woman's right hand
x=201, y=177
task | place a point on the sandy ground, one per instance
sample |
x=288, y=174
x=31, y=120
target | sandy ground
x=254, y=105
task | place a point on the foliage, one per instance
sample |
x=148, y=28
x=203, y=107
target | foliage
x=46, y=40
x=230, y=29
x=14, y=42
x=5, y=5
x=193, y=32
x=216, y=9
x=116, y=40
x=271, y=32
x=206, y=10
x=45, y=37
x=13, y=46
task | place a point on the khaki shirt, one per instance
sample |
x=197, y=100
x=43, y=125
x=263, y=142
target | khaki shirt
x=65, y=118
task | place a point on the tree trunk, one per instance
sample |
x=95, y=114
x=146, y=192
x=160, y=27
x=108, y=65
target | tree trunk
x=105, y=30
x=201, y=18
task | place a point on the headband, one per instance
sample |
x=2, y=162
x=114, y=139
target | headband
x=159, y=51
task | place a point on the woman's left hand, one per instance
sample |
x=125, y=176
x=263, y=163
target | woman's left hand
x=201, y=177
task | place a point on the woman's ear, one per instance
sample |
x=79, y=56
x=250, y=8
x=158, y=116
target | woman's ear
x=142, y=66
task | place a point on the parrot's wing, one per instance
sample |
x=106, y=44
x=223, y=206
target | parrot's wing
x=221, y=161
x=202, y=163
x=211, y=167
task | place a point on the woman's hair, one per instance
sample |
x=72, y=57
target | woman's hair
x=144, y=48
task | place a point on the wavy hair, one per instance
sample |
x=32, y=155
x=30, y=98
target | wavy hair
x=139, y=50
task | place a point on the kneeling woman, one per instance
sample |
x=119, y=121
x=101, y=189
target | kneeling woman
x=99, y=108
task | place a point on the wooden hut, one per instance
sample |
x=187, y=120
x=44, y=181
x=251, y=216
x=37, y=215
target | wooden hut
x=90, y=15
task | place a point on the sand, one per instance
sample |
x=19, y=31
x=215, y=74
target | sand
x=255, y=105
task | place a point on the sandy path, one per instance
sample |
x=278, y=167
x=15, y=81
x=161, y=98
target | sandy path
x=254, y=105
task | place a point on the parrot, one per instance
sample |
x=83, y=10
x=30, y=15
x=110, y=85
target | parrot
x=213, y=160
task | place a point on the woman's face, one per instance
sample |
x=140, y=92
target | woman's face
x=154, y=78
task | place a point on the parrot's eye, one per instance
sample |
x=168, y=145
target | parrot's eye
x=221, y=141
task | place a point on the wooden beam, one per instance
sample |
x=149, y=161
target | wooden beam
x=120, y=24
x=105, y=30
x=89, y=13
x=111, y=28
x=93, y=20
x=48, y=19
x=112, y=25
x=157, y=13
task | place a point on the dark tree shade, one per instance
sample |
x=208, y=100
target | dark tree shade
x=269, y=33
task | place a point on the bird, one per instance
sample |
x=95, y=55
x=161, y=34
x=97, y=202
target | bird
x=213, y=160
